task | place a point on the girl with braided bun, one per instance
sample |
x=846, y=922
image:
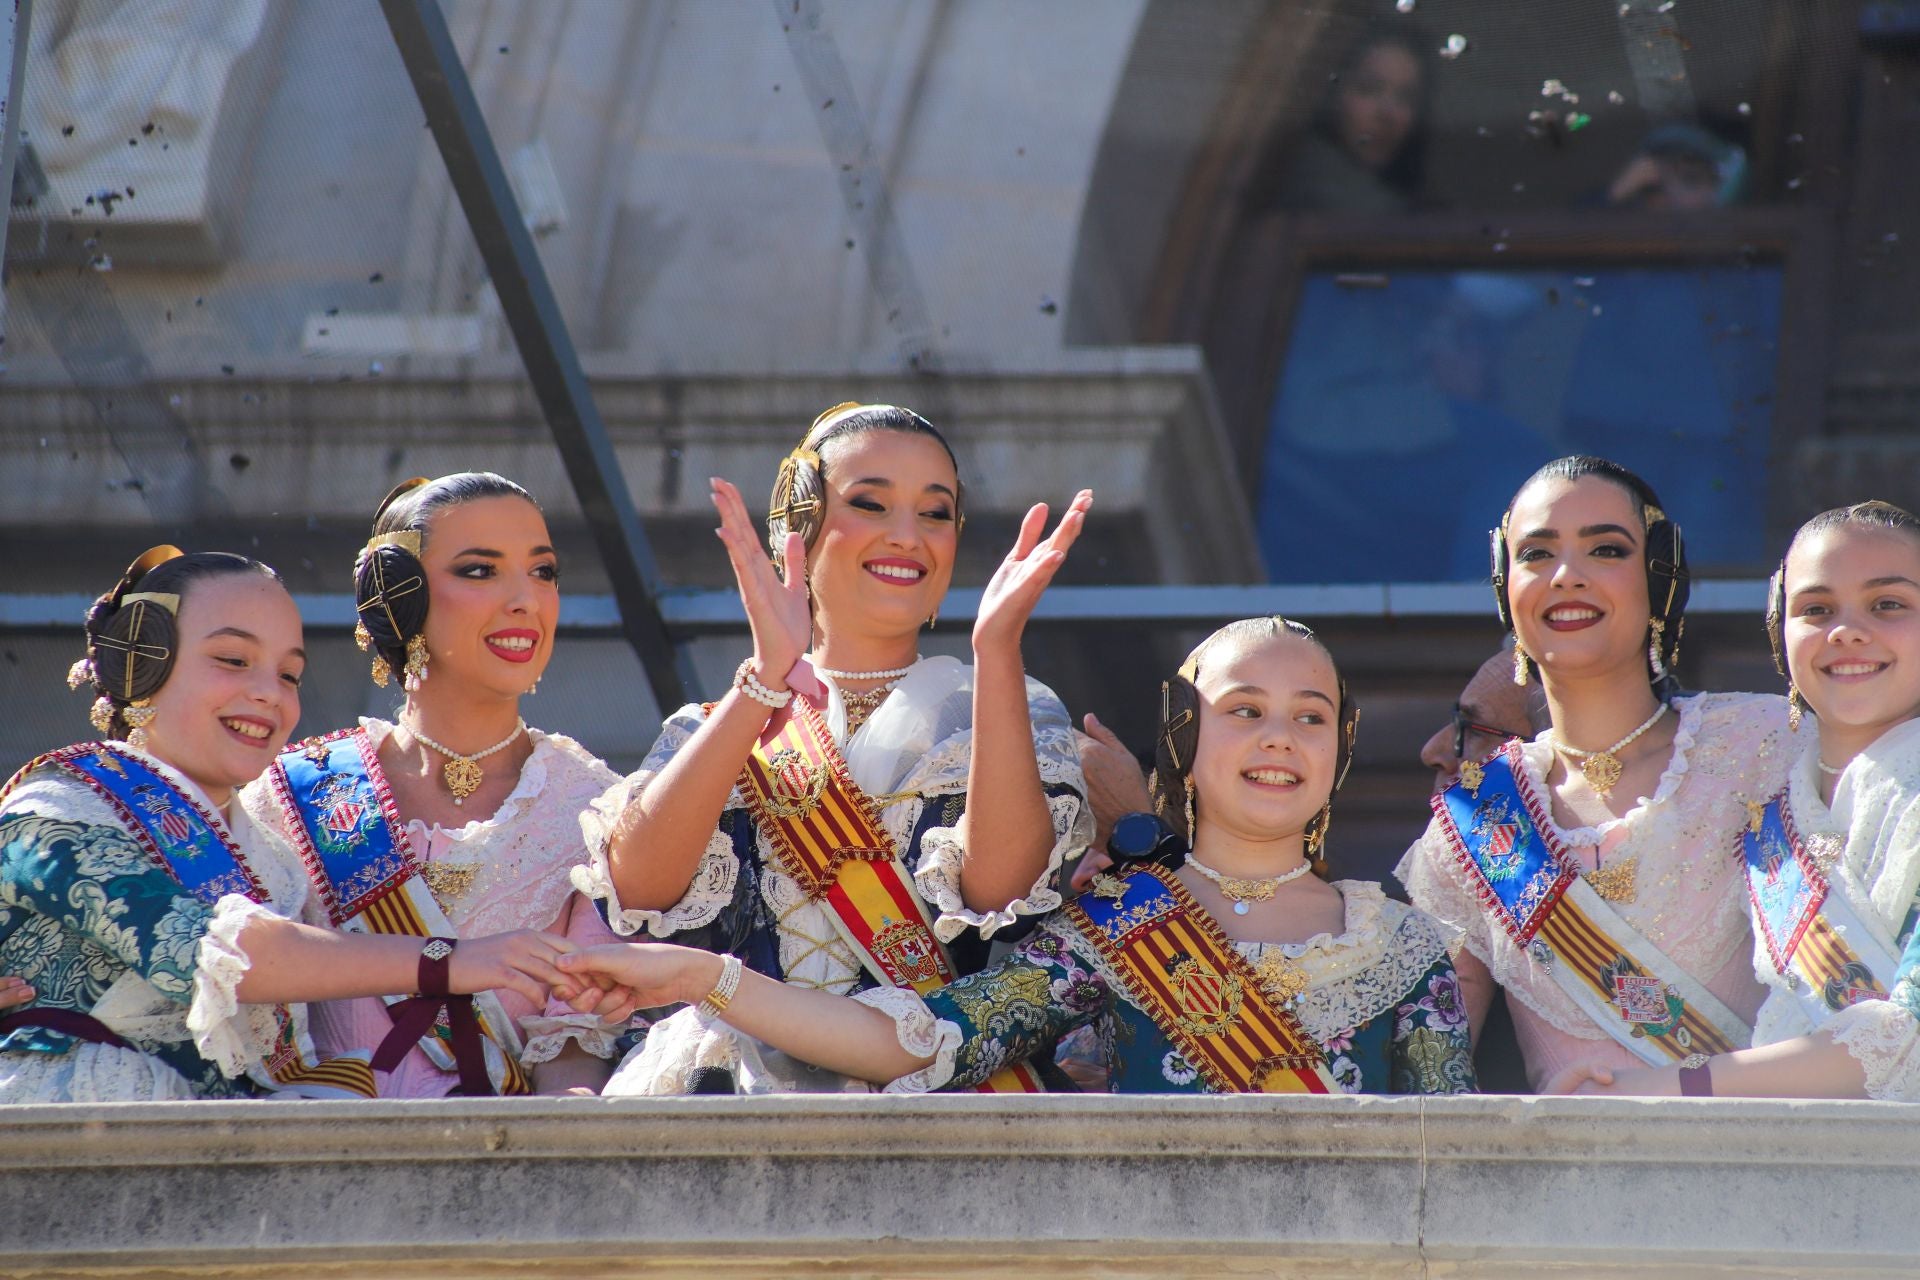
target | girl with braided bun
x=1589, y=869
x=849, y=816
x=1237, y=968
x=456, y=818
x=156, y=922
x=1831, y=862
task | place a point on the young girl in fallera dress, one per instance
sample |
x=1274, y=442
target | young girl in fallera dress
x=457, y=817
x=1589, y=868
x=849, y=817
x=1238, y=971
x=151, y=918
x=1831, y=863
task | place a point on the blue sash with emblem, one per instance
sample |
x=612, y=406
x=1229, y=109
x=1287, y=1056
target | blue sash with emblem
x=193, y=846
x=1830, y=954
x=1503, y=842
x=344, y=823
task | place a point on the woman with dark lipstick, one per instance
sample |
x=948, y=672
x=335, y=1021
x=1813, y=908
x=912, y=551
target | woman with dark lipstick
x=469, y=811
x=1592, y=869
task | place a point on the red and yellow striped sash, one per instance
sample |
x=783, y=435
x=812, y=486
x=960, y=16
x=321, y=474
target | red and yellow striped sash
x=828, y=838
x=1180, y=968
x=1671, y=1023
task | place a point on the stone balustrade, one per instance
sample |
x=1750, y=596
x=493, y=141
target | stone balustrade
x=962, y=1186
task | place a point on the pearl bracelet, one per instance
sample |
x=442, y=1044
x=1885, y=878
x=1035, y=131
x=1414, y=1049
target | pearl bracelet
x=746, y=682
x=722, y=994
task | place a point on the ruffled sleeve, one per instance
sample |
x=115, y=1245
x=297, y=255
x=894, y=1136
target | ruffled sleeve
x=231, y=1035
x=547, y=1032
x=716, y=876
x=920, y=1033
x=939, y=853
x=1436, y=886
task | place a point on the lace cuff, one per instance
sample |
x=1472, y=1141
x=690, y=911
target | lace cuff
x=710, y=890
x=547, y=1036
x=232, y=1036
x=919, y=1033
x=1885, y=1040
x=942, y=854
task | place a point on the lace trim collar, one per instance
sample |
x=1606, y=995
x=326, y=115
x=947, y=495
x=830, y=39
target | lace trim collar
x=1536, y=761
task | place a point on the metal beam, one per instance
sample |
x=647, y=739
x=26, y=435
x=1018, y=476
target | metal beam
x=533, y=314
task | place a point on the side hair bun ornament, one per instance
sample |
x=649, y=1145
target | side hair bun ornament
x=130, y=647
x=386, y=572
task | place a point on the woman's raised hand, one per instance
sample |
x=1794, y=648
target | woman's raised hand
x=777, y=608
x=1021, y=579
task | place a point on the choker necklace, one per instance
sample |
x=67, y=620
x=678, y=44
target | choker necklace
x=1828, y=769
x=1240, y=892
x=1602, y=769
x=462, y=773
x=892, y=673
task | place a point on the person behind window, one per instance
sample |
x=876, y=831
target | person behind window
x=1365, y=150
x=1682, y=168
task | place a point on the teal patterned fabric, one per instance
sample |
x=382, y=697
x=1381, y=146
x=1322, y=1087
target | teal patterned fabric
x=81, y=904
x=1019, y=1008
x=1906, y=978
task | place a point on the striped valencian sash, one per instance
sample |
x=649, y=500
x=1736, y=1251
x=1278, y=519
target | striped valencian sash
x=828, y=838
x=1501, y=839
x=1181, y=970
x=194, y=847
x=1831, y=954
x=349, y=834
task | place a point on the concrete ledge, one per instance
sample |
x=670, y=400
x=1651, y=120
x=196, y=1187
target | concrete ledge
x=973, y=1186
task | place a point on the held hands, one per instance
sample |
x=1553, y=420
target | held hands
x=523, y=961
x=776, y=608
x=651, y=974
x=1585, y=1078
x=1016, y=586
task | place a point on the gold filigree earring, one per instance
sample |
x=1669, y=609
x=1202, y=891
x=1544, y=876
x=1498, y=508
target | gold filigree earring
x=1317, y=831
x=1656, y=630
x=1188, y=811
x=1520, y=673
x=381, y=672
x=933, y=619
x=1796, y=707
x=139, y=715
x=415, y=673
x=100, y=715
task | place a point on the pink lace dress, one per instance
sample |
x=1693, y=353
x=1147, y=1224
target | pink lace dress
x=519, y=860
x=1731, y=749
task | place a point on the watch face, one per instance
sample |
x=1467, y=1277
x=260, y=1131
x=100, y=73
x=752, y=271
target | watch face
x=1135, y=835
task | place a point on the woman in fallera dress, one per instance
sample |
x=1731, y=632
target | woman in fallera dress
x=456, y=817
x=1237, y=968
x=1589, y=868
x=850, y=817
x=152, y=921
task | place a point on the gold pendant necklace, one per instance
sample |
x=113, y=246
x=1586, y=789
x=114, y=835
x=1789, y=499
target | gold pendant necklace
x=1240, y=891
x=463, y=774
x=1602, y=769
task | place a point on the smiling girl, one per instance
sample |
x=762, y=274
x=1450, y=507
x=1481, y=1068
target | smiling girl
x=1237, y=970
x=146, y=911
x=456, y=818
x=1589, y=867
x=849, y=816
x=1832, y=862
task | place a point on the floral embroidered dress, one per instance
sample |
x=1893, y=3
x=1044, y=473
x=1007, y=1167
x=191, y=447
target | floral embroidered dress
x=1731, y=749
x=497, y=874
x=1873, y=829
x=912, y=757
x=1380, y=998
x=98, y=928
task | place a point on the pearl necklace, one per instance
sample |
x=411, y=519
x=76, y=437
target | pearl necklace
x=1828, y=769
x=462, y=773
x=1602, y=769
x=892, y=673
x=1240, y=891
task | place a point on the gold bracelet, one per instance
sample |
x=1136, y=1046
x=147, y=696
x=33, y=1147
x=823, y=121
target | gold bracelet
x=722, y=994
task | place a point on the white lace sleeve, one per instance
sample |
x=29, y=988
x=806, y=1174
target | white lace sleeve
x=1431, y=881
x=547, y=1034
x=919, y=1033
x=231, y=1035
x=714, y=877
x=1885, y=1040
x=942, y=852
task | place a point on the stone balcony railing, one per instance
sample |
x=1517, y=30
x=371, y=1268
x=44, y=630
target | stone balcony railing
x=962, y=1187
